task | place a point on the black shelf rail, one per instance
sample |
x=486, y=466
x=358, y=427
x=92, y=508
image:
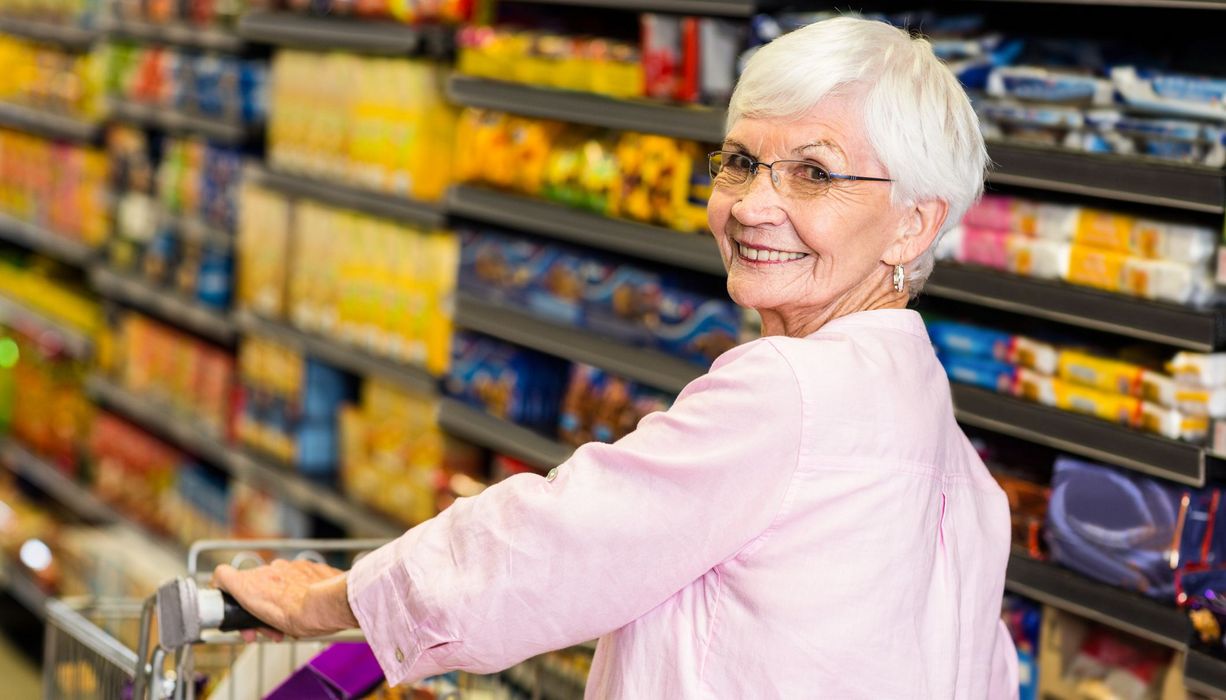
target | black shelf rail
x=384, y=38
x=692, y=251
x=67, y=36
x=1179, y=326
x=724, y=8
x=481, y=428
x=1204, y=674
x=648, y=366
x=423, y=214
x=223, y=130
x=1122, y=610
x=698, y=123
x=184, y=431
x=175, y=34
x=342, y=355
x=34, y=323
x=1086, y=436
x=1106, y=176
x=48, y=124
x=209, y=323
x=55, y=483
x=45, y=241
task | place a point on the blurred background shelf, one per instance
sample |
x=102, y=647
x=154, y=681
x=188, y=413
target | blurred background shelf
x=22, y=588
x=164, y=304
x=1086, y=436
x=223, y=130
x=1179, y=326
x=48, y=124
x=293, y=30
x=176, y=34
x=36, y=324
x=648, y=366
x=67, y=36
x=1106, y=176
x=481, y=428
x=54, y=482
x=45, y=241
x=692, y=251
x=161, y=419
x=726, y=8
x=347, y=357
x=1128, y=612
x=698, y=123
x=410, y=211
x=1205, y=674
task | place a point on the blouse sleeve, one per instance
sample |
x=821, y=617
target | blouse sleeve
x=534, y=564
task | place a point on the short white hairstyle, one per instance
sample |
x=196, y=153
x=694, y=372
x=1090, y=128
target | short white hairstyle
x=917, y=117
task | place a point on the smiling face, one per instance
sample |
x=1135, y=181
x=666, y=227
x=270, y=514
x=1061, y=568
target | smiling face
x=803, y=261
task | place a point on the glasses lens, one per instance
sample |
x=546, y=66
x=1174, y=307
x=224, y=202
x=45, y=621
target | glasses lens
x=803, y=178
x=730, y=168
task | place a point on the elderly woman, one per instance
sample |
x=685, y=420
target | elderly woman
x=807, y=520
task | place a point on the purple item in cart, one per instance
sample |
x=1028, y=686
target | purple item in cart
x=343, y=671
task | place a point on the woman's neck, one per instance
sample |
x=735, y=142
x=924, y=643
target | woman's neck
x=872, y=294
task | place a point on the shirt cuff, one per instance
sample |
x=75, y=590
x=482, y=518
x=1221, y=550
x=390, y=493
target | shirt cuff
x=378, y=588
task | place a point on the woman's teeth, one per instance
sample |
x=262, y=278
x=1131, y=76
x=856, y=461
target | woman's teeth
x=767, y=255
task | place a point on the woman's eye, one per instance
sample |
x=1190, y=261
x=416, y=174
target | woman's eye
x=813, y=172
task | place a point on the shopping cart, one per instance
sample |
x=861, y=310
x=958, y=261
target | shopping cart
x=104, y=649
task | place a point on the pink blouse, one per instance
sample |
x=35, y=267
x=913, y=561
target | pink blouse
x=807, y=520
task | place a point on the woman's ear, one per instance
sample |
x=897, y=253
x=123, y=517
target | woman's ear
x=920, y=224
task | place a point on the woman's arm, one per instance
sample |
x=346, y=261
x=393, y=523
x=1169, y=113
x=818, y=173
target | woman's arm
x=537, y=563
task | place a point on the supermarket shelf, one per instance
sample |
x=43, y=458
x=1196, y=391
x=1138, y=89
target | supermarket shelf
x=1129, y=612
x=481, y=428
x=23, y=589
x=67, y=36
x=45, y=241
x=650, y=367
x=725, y=8
x=167, y=305
x=698, y=123
x=182, y=35
x=1121, y=178
x=33, y=323
x=54, y=483
x=294, y=30
x=195, y=229
x=367, y=202
x=1086, y=436
x=1179, y=326
x=338, y=354
x=47, y=124
x=226, y=131
x=157, y=417
x=311, y=496
x=1205, y=674
x=692, y=251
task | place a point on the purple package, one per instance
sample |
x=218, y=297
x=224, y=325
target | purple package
x=343, y=671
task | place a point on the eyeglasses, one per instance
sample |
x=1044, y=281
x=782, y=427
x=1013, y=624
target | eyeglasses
x=798, y=178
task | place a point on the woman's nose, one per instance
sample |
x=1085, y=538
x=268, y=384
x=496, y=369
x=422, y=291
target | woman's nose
x=761, y=205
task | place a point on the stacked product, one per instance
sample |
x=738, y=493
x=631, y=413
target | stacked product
x=82, y=13
x=635, y=303
x=199, y=14
x=206, y=85
x=685, y=59
x=1072, y=379
x=290, y=406
x=173, y=217
x=407, y=11
x=395, y=459
x=648, y=178
x=134, y=471
x=50, y=79
x=47, y=387
x=184, y=373
x=1158, y=260
x=370, y=282
x=1023, y=618
x=37, y=284
x=60, y=187
x=602, y=407
x=1079, y=659
x=378, y=123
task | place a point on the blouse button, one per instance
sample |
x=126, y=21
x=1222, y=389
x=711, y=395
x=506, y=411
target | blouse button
x=399, y=655
x=553, y=474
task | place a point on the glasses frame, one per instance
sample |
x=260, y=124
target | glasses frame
x=754, y=164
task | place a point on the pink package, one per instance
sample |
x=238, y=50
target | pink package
x=984, y=246
x=993, y=211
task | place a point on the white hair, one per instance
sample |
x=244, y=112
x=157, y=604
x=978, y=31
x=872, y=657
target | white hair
x=917, y=117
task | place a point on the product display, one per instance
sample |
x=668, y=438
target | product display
x=206, y=85
x=516, y=384
x=59, y=187
x=199, y=14
x=75, y=12
x=43, y=399
x=600, y=407
x=376, y=123
x=653, y=179
x=407, y=11
x=47, y=78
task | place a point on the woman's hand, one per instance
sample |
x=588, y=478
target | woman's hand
x=294, y=598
